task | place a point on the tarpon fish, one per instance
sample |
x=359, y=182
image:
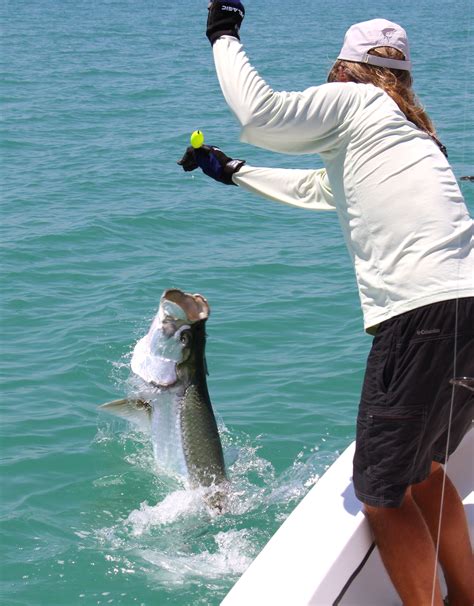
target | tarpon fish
x=173, y=402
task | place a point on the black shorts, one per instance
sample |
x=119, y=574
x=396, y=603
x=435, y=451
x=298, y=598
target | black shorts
x=406, y=399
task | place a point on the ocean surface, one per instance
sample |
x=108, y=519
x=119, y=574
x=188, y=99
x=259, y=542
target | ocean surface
x=98, y=102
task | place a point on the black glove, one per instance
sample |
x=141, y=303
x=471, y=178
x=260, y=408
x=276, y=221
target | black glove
x=224, y=19
x=213, y=162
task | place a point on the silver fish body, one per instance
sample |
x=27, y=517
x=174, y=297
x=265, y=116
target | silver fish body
x=174, y=404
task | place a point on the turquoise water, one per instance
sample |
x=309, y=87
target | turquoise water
x=97, y=220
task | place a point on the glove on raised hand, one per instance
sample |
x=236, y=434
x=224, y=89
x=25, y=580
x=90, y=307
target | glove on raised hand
x=224, y=19
x=213, y=162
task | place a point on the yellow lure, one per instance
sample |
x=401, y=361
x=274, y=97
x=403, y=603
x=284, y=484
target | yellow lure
x=197, y=139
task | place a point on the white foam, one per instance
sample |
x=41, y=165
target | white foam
x=178, y=504
x=234, y=553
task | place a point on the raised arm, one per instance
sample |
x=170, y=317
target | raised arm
x=311, y=121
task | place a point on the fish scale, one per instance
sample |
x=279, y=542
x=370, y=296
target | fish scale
x=200, y=438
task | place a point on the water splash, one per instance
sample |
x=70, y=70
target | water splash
x=167, y=532
x=174, y=539
x=178, y=504
x=232, y=554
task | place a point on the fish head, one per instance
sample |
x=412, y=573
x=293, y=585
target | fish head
x=174, y=344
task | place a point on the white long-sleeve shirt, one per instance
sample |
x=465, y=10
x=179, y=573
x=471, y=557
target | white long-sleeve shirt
x=403, y=216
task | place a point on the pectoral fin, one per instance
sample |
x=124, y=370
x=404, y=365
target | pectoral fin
x=134, y=410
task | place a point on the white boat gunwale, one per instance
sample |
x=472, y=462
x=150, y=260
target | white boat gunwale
x=324, y=555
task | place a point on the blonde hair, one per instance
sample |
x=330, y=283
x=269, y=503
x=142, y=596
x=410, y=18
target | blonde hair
x=397, y=83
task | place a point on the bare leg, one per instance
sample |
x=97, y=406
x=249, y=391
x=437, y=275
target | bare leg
x=455, y=554
x=407, y=551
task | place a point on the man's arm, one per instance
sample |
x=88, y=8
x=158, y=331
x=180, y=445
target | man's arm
x=308, y=189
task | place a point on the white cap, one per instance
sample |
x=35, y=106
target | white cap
x=362, y=37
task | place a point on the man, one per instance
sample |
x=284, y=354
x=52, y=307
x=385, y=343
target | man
x=410, y=238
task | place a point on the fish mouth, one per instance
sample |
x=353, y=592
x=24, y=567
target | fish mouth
x=157, y=355
x=195, y=307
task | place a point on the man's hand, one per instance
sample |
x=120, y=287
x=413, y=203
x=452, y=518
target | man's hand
x=213, y=162
x=224, y=19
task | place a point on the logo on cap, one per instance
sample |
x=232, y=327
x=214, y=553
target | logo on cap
x=387, y=34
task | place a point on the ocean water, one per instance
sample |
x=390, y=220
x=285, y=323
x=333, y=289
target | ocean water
x=98, y=101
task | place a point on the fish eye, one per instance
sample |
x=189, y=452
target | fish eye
x=185, y=337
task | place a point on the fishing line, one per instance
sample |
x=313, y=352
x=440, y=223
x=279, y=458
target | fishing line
x=455, y=345
x=446, y=455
